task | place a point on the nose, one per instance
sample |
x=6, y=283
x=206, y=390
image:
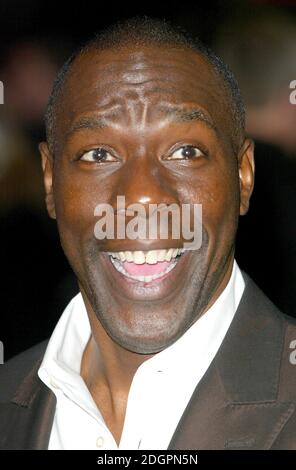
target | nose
x=146, y=181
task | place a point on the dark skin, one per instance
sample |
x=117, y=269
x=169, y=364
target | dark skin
x=131, y=321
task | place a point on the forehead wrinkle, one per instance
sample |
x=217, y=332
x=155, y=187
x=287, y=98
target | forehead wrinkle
x=138, y=110
x=136, y=102
x=135, y=85
x=135, y=68
x=122, y=89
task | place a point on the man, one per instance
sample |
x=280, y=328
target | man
x=164, y=348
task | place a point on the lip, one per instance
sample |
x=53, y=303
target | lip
x=141, y=290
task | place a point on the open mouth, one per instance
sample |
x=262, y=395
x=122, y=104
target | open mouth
x=146, y=266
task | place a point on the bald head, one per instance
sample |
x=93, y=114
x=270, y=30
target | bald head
x=140, y=34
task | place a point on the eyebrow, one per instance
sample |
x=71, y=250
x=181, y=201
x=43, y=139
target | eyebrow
x=90, y=122
x=181, y=114
x=174, y=114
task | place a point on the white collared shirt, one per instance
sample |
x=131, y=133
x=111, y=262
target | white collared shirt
x=161, y=387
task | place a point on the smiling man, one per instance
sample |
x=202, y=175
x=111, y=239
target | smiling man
x=164, y=347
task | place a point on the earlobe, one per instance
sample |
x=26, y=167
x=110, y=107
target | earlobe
x=47, y=167
x=246, y=175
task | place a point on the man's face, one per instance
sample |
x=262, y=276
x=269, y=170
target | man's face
x=120, y=132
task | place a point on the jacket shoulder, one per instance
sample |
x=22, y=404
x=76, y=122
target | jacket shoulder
x=14, y=371
x=289, y=321
x=257, y=300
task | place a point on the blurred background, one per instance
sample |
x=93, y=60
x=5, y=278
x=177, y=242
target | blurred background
x=258, y=41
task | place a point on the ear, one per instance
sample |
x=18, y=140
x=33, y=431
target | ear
x=47, y=167
x=246, y=174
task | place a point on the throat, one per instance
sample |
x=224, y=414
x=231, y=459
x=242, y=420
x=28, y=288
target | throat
x=111, y=396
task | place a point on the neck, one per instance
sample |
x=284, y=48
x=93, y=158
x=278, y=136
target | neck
x=105, y=361
x=108, y=371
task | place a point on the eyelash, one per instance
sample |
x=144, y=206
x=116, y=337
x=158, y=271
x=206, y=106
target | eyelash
x=94, y=150
x=204, y=151
x=198, y=147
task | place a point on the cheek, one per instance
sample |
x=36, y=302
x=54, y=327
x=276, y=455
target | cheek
x=218, y=193
x=221, y=211
x=77, y=193
x=76, y=196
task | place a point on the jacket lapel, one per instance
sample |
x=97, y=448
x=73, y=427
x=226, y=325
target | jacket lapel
x=235, y=405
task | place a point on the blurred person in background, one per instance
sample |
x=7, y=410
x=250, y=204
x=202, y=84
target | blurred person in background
x=260, y=47
x=27, y=71
x=28, y=68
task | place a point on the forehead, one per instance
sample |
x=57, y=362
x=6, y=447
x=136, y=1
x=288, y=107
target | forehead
x=139, y=82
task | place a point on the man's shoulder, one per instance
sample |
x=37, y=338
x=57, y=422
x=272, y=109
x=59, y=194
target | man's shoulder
x=257, y=300
x=16, y=369
x=278, y=315
x=288, y=320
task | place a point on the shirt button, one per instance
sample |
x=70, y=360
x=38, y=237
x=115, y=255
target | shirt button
x=100, y=442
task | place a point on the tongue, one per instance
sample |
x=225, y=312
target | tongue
x=145, y=269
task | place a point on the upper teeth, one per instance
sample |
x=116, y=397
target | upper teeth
x=150, y=257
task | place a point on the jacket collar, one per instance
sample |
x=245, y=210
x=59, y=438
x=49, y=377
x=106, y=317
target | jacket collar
x=26, y=421
x=235, y=405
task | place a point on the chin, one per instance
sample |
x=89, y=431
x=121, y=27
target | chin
x=143, y=345
x=150, y=336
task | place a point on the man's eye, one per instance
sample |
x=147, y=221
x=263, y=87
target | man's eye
x=186, y=153
x=98, y=155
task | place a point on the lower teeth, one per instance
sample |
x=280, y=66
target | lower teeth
x=118, y=266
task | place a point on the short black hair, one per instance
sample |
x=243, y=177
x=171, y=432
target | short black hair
x=146, y=31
